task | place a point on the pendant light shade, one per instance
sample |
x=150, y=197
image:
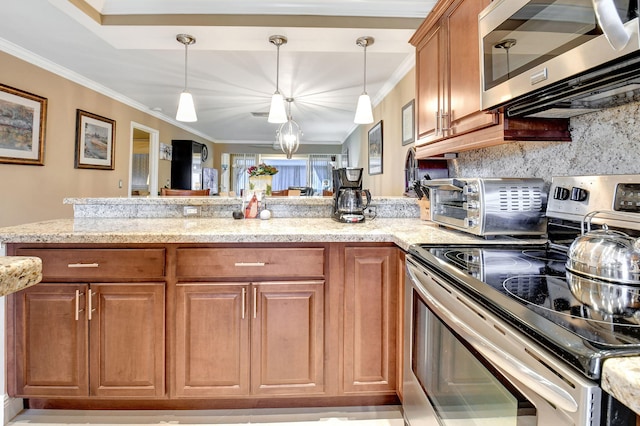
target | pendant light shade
x=186, y=108
x=364, y=112
x=289, y=134
x=277, y=113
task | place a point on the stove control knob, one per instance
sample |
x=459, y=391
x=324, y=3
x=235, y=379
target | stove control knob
x=561, y=193
x=578, y=194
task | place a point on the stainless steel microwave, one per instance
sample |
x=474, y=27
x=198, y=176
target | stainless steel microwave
x=558, y=58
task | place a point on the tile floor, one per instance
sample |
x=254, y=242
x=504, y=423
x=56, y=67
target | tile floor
x=340, y=416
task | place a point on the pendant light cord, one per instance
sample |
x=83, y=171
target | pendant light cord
x=365, y=70
x=278, y=68
x=186, y=47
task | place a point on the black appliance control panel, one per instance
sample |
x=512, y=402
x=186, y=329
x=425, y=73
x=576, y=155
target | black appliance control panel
x=627, y=198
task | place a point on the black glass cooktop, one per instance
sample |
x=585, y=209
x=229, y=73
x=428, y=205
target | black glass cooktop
x=535, y=278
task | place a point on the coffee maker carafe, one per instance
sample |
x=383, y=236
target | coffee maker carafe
x=349, y=199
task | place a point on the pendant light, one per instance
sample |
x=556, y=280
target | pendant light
x=364, y=114
x=289, y=133
x=277, y=113
x=186, y=108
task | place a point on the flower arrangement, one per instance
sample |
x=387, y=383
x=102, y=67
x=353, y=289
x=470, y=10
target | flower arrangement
x=261, y=170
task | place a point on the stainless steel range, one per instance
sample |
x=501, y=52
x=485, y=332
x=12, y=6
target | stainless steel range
x=495, y=333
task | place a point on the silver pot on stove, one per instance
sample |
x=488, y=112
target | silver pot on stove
x=603, y=270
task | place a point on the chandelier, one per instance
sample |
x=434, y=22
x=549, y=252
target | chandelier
x=289, y=133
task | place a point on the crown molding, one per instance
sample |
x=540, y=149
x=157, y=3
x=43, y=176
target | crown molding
x=47, y=65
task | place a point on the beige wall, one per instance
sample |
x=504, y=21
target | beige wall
x=34, y=193
x=392, y=180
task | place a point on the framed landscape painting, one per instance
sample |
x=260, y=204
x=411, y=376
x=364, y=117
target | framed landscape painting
x=95, y=142
x=408, y=123
x=23, y=118
x=375, y=149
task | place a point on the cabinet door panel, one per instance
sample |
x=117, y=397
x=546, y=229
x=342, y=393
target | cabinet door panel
x=51, y=342
x=370, y=319
x=127, y=339
x=429, y=85
x=212, y=340
x=464, y=69
x=288, y=338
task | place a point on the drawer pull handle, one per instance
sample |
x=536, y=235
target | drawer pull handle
x=83, y=265
x=90, y=309
x=244, y=301
x=250, y=264
x=255, y=302
x=78, y=310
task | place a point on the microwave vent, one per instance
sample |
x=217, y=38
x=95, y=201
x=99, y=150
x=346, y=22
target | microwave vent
x=520, y=198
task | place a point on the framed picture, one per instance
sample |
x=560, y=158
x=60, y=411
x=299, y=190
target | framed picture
x=166, y=151
x=375, y=149
x=22, y=127
x=95, y=142
x=408, y=123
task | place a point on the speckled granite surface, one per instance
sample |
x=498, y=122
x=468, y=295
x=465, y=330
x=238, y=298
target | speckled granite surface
x=621, y=378
x=402, y=232
x=18, y=272
x=222, y=207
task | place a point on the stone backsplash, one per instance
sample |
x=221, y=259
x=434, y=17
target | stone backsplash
x=604, y=142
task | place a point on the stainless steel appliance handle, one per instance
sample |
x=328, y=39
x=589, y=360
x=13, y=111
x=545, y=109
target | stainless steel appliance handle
x=513, y=366
x=611, y=214
x=611, y=24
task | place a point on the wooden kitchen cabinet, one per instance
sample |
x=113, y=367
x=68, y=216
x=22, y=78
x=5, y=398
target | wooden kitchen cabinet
x=51, y=348
x=448, y=111
x=448, y=73
x=256, y=337
x=66, y=345
x=370, y=319
x=212, y=340
x=81, y=339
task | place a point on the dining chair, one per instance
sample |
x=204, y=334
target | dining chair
x=184, y=192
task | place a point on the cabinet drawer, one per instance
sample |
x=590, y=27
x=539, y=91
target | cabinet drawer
x=250, y=262
x=98, y=264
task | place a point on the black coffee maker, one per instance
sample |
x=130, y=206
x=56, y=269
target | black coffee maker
x=349, y=199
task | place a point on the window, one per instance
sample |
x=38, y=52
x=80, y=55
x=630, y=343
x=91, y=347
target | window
x=313, y=170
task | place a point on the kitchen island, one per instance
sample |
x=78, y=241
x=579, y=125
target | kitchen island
x=208, y=233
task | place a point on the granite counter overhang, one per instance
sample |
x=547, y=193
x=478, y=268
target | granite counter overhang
x=19, y=272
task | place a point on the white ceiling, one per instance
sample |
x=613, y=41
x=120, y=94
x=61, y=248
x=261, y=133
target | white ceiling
x=134, y=56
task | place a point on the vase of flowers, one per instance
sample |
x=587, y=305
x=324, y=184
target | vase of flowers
x=261, y=177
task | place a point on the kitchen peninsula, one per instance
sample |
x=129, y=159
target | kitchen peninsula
x=213, y=312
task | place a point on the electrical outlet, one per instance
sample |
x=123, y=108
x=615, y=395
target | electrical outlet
x=191, y=211
x=371, y=211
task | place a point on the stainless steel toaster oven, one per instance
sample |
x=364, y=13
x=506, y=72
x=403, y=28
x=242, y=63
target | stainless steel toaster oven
x=489, y=206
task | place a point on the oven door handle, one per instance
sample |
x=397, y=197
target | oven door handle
x=543, y=387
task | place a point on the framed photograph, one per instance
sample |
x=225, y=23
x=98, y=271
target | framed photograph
x=22, y=127
x=95, y=141
x=166, y=151
x=375, y=149
x=408, y=123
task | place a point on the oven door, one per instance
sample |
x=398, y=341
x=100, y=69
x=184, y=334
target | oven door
x=464, y=366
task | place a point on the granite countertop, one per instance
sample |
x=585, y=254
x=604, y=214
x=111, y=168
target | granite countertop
x=18, y=272
x=621, y=378
x=401, y=231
